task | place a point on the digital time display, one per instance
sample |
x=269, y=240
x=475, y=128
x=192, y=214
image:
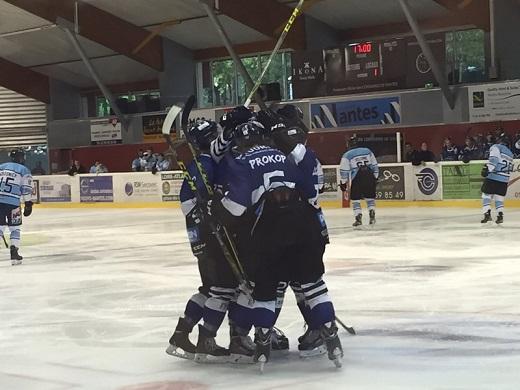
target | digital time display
x=363, y=62
x=363, y=48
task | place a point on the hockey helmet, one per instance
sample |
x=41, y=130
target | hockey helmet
x=17, y=156
x=249, y=129
x=203, y=132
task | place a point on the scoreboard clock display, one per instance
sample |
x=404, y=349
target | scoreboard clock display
x=363, y=62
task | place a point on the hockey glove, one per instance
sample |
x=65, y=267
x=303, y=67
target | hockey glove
x=343, y=186
x=465, y=159
x=154, y=170
x=485, y=171
x=27, y=210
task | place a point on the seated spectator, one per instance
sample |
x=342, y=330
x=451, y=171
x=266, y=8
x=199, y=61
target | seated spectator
x=470, y=151
x=137, y=162
x=409, y=152
x=423, y=155
x=38, y=169
x=98, y=168
x=450, y=152
x=76, y=168
x=161, y=164
x=148, y=161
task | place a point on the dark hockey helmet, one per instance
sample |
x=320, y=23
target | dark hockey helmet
x=248, y=130
x=17, y=156
x=503, y=138
x=235, y=117
x=296, y=133
x=292, y=114
x=202, y=133
x=352, y=142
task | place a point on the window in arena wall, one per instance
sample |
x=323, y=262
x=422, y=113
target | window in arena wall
x=131, y=102
x=220, y=84
x=465, y=56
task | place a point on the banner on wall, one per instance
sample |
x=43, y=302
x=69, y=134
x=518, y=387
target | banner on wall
x=427, y=182
x=308, y=74
x=152, y=128
x=105, y=132
x=418, y=69
x=35, y=195
x=171, y=186
x=142, y=190
x=462, y=181
x=353, y=113
x=494, y=102
x=96, y=189
x=391, y=183
x=54, y=189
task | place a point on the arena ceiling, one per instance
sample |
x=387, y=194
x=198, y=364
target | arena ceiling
x=123, y=37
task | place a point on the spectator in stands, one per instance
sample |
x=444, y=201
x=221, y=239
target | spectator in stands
x=424, y=155
x=450, y=152
x=137, y=162
x=409, y=152
x=38, y=169
x=161, y=164
x=98, y=167
x=490, y=141
x=470, y=151
x=76, y=168
x=148, y=161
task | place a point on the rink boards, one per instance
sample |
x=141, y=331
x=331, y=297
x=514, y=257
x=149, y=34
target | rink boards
x=432, y=184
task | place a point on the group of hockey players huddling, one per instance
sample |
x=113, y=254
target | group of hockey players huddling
x=266, y=184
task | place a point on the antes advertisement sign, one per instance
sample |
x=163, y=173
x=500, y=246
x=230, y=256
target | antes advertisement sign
x=353, y=113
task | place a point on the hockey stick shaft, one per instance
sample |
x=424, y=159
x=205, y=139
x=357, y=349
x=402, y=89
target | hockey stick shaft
x=347, y=328
x=279, y=43
x=5, y=241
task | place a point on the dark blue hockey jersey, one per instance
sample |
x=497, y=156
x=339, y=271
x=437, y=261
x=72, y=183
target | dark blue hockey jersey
x=187, y=197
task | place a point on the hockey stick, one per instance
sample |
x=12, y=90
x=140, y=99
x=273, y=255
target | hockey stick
x=347, y=328
x=279, y=43
x=5, y=241
x=232, y=258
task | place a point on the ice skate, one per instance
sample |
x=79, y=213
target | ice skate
x=487, y=217
x=241, y=350
x=358, y=221
x=500, y=218
x=329, y=333
x=372, y=214
x=16, y=259
x=180, y=344
x=311, y=344
x=207, y=350
x=263, y=346
x=279, y=342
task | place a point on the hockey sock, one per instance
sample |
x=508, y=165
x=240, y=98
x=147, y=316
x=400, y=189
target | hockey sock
x=240, y=313
x=499, y=203
x=302, y=305
x=317, y=297
x=15, y=235
x=280, y=296
x=194, y=309
x=356, y=206
x=371, y=204
x=216, y=306
x=486, y=203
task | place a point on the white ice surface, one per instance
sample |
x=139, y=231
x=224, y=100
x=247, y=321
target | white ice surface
x=433, y=295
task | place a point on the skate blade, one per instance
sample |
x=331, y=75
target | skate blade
x=262, y=360
x=204, y=358
x=16, y=262
x=318, y=351
x=241, y=359
x=337, y=354
x=179, y=352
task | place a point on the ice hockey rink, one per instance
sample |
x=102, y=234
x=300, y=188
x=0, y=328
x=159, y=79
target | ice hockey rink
x=433, y=295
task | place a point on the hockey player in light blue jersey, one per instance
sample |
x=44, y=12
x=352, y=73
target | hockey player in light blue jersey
x=15, y=188
x=496, y=173
x=359, y=169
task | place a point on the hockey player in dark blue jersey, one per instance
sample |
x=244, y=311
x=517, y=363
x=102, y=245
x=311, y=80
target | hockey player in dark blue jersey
x=267, y=196
x=496, y=173
x=359, y=171
x=15, y=188
x=218, y=282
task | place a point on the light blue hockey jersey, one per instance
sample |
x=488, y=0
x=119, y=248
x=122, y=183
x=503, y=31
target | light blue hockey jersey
x=15, y=184
x=500, y=164
x=354, y=159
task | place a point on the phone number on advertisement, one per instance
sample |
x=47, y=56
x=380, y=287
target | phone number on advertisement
x=389, y=195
